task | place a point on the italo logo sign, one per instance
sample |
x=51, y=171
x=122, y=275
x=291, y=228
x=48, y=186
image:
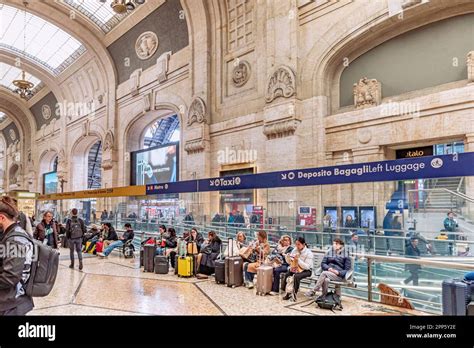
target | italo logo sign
x=222, y=182
x=436, y=163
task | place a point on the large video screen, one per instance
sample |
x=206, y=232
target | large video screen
x=155, y=165
x=50, y=183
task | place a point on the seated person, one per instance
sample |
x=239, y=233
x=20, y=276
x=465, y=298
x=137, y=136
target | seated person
x=301, y=266
x=278, y=261
x=238, y=243
x=262, y=249
x=111, y=235
x=210, y=249
x=168, y=242
x=99, y=236
x=335, y=265
x=93, y=232
x=195, y=237
x=128, y=235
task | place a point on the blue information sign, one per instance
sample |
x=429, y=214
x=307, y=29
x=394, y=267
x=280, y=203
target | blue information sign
x=454, y=165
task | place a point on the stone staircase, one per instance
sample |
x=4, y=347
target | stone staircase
x=443, y=200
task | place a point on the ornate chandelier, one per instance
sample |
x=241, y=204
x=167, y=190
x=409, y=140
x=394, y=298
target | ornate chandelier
x=122, y=6
x=23, y=87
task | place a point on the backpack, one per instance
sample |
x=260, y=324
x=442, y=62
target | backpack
x=330, y=301
x=44, y=267
x=128, y=250
x=75, y=228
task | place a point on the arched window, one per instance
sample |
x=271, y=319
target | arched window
x=94, y=163
x=161, y=132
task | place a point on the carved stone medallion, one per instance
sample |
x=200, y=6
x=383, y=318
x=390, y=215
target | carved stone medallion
x=46, y=112
x=241, y=74
x=282, y=83
x=146, y=45
x=197, y=112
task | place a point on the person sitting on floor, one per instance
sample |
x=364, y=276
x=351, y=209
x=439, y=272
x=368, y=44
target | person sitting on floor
x=93, y=241
x=335, y=265
x=301, y=265
x=278, y=261
x=128, y=235
x=210, y=249
x=262, y=250
x=238, y=243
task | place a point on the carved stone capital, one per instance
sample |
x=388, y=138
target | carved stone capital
x=367, y=93
x=162, y=67
x=135, y=82
x=195, y=146
x=470, y=66
x=107, y=164
x=282, y=83
x=197, y=112
x=281, y=129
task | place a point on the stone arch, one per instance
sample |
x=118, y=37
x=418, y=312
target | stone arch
x=45, y=165
x=320, y=72
x=137, y=126
x=78, y=161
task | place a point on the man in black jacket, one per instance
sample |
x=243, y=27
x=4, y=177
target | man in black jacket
x=335, y=265
x=75, y=230
x=14, y=268
x=413, y=252
x=128, y=235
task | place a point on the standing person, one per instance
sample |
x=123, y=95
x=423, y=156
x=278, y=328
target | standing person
x=450, y=226
x=24, y=220
x=189, y=219
x=75, y=229
x=15, y=267
x=47, y=231
x=301, y=266
x=104, y=216
x=412, y=251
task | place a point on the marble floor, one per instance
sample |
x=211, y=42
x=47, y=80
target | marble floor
x=117, y=286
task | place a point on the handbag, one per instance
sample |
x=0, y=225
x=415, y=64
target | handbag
x=247, y=253
x=206, y=249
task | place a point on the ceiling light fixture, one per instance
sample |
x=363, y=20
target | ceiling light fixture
x=23, y=86
x=122, y=6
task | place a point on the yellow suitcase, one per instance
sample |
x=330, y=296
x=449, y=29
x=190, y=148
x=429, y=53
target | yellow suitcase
x=185, y=266
x=87, y=247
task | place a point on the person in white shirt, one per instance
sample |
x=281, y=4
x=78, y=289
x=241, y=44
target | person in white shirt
x=301, y=266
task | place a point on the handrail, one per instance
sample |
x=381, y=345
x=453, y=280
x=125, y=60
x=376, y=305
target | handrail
x=421, y=261
x=458, y=194
x=459, y=185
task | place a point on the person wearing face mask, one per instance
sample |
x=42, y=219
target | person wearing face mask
x=46, y=231
x=15, y=268
x=195, y=237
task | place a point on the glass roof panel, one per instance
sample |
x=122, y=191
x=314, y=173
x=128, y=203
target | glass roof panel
x=98, y=12
x=45, y=43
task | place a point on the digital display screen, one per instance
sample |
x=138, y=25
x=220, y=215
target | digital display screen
x=346, y=211
x=305, y=210
x=332, y=212
x=155, y=165
x=367, y=217
x=50, y=183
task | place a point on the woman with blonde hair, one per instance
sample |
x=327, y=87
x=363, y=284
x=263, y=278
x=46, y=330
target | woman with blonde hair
x=261, y=248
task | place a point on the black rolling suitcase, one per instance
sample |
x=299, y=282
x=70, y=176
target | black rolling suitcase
x=161, y=264
x=149, y=258
x=219, y=271
x=233, y=267
x=455, y=297
x=141, y=257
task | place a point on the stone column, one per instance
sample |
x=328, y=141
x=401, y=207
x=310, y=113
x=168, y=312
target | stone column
x=469, y=208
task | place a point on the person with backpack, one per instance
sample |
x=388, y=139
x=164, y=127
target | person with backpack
x=15, y=268
x=47, y=231
x=75, y=229
x=335, y=265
